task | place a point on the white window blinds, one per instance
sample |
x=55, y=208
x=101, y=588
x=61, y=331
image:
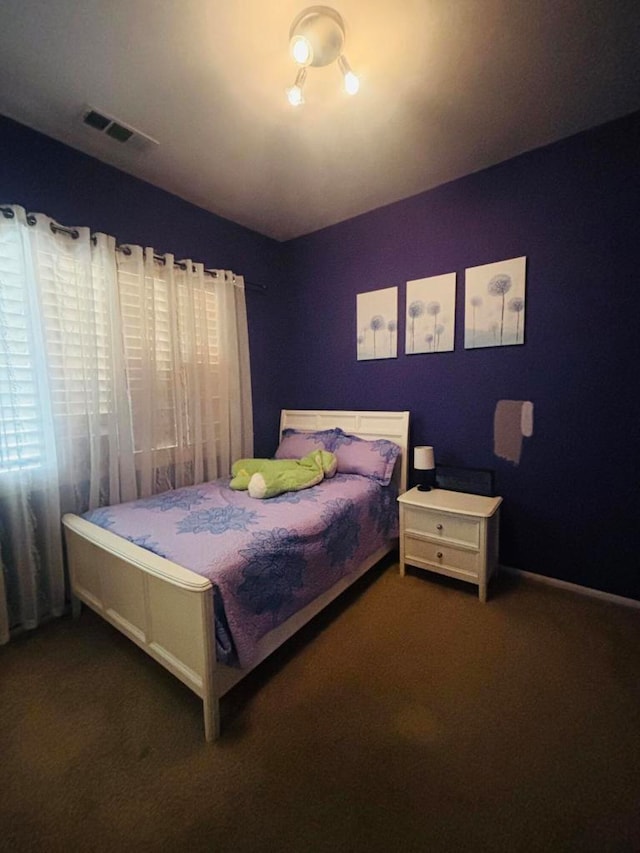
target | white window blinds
x=21, y=428
x=170, y=330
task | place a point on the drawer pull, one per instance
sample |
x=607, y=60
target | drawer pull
x=438, y=527
x=439, y=555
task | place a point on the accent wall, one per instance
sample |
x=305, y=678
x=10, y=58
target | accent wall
x=571, y=505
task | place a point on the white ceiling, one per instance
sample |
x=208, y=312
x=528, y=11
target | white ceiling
x=448, y=87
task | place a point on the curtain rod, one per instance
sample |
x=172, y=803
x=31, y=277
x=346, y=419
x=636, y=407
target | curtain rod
x=182, y=265
x=74, y=234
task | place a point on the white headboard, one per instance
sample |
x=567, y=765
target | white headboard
x=393, y=426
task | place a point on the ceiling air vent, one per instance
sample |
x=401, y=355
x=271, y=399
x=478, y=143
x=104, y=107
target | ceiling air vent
x=116, y=129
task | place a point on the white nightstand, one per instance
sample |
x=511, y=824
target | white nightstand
x=451, y=533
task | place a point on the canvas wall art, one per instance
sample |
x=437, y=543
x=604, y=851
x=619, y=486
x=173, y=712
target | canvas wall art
x=377, y=324
x=431, y=308
x=495, y=304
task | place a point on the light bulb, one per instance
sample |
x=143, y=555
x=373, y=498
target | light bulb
x=301, y=50
x=351, y=83
x=294, y=95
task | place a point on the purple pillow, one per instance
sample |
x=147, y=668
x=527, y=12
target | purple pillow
x=296, y=443
x=374, y=459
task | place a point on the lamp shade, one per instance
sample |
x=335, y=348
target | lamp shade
x=423, y=458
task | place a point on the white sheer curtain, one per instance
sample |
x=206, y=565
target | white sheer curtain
x=187, y=350
x=121, y=375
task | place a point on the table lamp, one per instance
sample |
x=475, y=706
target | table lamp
x=424, y=461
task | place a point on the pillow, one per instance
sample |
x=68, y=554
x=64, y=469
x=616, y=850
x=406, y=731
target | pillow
x=296, y=443
x=374, y=459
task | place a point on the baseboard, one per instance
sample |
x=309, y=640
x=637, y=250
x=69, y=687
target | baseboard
x=621, y=600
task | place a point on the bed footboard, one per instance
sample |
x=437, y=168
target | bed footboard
x=164, y=608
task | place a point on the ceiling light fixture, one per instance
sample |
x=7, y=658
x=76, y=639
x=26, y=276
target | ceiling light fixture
x=316, y=38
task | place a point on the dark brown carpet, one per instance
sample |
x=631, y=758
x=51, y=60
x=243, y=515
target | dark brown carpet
x=410, y=717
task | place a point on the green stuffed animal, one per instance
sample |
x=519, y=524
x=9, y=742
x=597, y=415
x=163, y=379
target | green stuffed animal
x=266, y=478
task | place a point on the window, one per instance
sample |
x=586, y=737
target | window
x=21, y=429
x=170, y=332
x=55, y=344
x=105, y=352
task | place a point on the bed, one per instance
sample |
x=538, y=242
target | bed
x=173, y=612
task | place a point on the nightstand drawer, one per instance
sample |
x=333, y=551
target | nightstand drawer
x=443, y=557
x=442, y=525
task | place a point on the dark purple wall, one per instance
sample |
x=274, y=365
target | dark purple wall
x=571, y=507
x=43, y=175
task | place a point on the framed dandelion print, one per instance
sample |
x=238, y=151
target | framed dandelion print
x=377, y=324
x=431, y=309
x=495, y=304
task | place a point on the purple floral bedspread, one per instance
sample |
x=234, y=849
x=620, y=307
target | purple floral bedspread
x=266, y=558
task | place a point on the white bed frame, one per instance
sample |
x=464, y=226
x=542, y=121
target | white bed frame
x=168, y=610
